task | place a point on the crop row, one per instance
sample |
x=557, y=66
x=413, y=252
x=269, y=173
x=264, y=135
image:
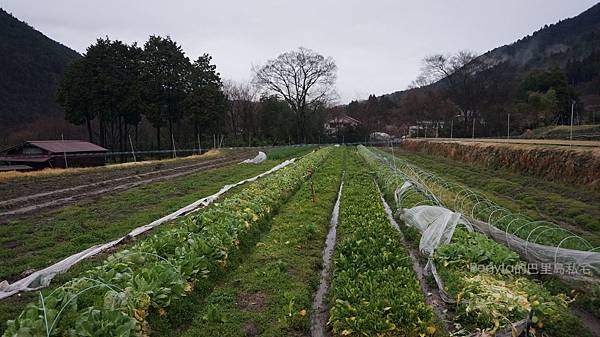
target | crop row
x=374, y=290
x=487, y=280
x=271, y=290
x=115, y=298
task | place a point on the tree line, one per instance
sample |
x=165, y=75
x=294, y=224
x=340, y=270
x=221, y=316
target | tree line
x=461, y=95
x=121, y=92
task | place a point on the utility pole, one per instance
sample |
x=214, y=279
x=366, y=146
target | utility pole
x=451, y=127
x=508, y=130
x=473, y=135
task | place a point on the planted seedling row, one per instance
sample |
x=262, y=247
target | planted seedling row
x=374, y=291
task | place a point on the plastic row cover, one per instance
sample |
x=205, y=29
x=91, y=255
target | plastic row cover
x=260, y=157
x=437, y=225
x=41, y=278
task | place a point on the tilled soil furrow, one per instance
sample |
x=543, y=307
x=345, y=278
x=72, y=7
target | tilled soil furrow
x=70, y=195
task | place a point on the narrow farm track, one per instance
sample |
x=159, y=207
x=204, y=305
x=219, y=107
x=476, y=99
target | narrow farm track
x=32, y=203
x=320, y=315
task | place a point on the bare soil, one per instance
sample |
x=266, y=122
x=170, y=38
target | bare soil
x=31, y=194
x=255, y=302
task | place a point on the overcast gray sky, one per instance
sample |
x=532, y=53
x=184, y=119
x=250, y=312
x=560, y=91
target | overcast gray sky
x=378, y=45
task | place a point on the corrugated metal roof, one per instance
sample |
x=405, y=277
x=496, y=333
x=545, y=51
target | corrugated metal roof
x=68, y=146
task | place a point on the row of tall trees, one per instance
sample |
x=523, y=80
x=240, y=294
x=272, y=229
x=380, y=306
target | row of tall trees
x=115, y=85
x=117, y=90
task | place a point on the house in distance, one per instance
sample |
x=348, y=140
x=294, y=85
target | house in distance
x=53, y=153
x=337, y=124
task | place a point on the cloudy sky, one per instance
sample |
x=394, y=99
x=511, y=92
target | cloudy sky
x=378, y=45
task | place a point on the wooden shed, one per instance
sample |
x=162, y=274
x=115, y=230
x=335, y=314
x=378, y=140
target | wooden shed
x=52, y=153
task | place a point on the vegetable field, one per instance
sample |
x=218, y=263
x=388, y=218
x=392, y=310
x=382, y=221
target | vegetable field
x=250, y=263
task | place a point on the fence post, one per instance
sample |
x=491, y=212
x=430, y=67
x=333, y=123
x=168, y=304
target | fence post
x=132, y=149
x=62, y=136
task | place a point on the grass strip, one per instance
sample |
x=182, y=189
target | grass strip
x=270, y=292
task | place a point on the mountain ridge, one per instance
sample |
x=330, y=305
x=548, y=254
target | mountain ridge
x=31, y=65
x=540, y=49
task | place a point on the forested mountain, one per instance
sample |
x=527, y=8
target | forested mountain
x=553, y=45
x=535, y=79
x=31, y=65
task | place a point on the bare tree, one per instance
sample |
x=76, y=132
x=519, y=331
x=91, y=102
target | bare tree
x=303, y=78
x=438, y=67
x=241, y=108
x=460, y=74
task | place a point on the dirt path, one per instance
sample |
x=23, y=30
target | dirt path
x=41, y=182
x=320, y=315
x=12, y=208
x=545, y=142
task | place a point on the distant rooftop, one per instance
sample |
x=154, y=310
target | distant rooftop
x=55, y=146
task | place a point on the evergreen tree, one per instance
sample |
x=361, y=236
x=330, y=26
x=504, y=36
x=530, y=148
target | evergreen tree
x=75, y=96
x=205, y=101
x=165, y=70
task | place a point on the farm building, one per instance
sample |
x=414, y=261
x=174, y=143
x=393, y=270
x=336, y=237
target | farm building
x=53, y=153
x=336, y=124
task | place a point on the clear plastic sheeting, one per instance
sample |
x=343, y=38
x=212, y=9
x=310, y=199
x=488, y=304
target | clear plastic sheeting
x=41, y=278
x=260, y=157
x=436, y=224
x=546, y=245
x=400, y=192
x=559, y=260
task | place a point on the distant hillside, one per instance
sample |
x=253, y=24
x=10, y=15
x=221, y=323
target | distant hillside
x=555, y=45
x=535, y=80
x=31, y=65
